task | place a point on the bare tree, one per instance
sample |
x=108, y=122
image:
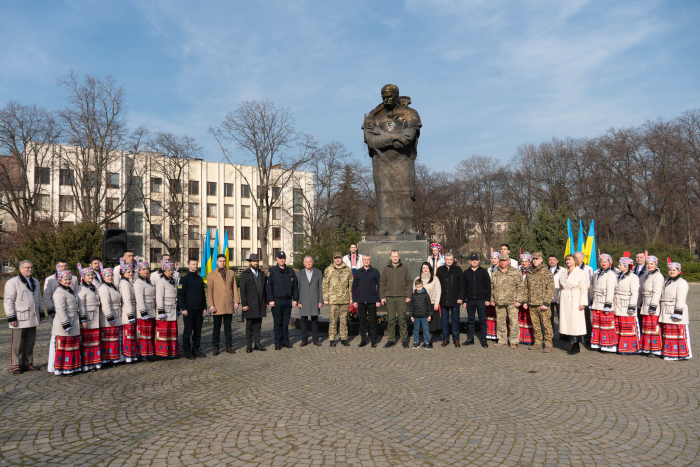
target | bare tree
x=266, y=133
x=28, y=135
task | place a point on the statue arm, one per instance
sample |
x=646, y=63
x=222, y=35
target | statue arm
x=378, y=141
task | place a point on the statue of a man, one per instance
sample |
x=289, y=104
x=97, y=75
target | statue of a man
x=391, y=133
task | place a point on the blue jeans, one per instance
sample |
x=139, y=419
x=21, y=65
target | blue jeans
x=446, y=311
x=417, y=323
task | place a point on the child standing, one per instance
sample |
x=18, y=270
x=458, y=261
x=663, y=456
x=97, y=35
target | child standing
x=419, y=311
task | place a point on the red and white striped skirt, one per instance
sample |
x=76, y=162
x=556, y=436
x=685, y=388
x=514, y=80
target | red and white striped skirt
x=604, y=333
x=676, y=342
x=628, y=334
x=491, y=322
x=166, y=339
x=145, y=333
x=64, y=355
x=110, y=344
x=526, y=334
x=90, y=349
x=130, y=348
x=651, y=335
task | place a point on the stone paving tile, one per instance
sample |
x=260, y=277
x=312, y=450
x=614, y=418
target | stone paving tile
x=358, y=407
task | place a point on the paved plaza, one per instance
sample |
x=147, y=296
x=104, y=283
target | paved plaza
x=358, y=406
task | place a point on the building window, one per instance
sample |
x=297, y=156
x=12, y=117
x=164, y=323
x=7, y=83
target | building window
x=134, y=191
x=276, y=214
x=211, y=210
x=134, y=222
x=229, y=230
x=175, y=186
x=228, y=211
x=211, y=188
x=298, y=221
x=65, y=177
x=156, y=185
x=193, y=187
x=212, y=233
x=112, y=204
x=156, y=255
x=156, y=230
x=298, y=242
x=245, y=233
x=135, y=242
x=245, y=212
x=259, y=253
x=112, y=180
x=276, y=192
x=298, y=201
x=65, y=203
x=193, y=253
x=42, y=176
x=277, y=233
x=156, y=208
x=275, y=251
x=43, y=202
x=193, y=210
x=193, y=232
x=245, y=254
x=245, y=191
x=175, y=230
x=228, y=190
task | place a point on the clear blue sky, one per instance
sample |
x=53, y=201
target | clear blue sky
x=485, y=76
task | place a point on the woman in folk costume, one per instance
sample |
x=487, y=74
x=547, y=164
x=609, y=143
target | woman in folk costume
x=90, y=305
x=110, y=319
x=625, y=307
x=431, y=284
x=674, y=316
x=436, y=259
x=491, y=310
x=64, y=353
x=573, y=299
x=650, y=291
x=130, y=347
x=145, y=311
x=166, y=303
x=526, y=329
x=603, y=335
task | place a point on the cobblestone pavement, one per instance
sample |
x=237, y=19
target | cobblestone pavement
x=358, y=406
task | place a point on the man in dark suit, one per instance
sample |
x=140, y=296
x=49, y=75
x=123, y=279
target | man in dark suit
x=193, y=303
x=254, y=302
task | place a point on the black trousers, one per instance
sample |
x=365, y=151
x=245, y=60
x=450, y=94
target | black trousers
x=555, y=311
x=192, y=335
x=281, y=314
x=364, y=309
x=252, y=331
x=305, y=328
x=474, y=307
x=227, y=320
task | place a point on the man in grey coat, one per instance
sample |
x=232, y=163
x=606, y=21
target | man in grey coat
x=310, y=299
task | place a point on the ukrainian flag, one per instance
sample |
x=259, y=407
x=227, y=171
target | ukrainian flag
x=206, y=260
x=570, y=240
x=581, y=242
x=226, y=252
x=216, y=251
x=591, y=258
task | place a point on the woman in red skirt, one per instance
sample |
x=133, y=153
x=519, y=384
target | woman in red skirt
x=166, y=303
x=110, y=319
x=526, y=329
x=491, y=310
x=90, y=334
x=625, y=305
x=674, y=316
x=604, y=335
x=130, y=348
x=64, y=352
x=650, y=291
x=146, y=312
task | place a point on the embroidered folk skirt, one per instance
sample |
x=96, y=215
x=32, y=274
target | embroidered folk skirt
x=526, y=329
x=628, y=334
x=676, y=341
x=130, y=349
x=90, y=349
x=166, y=339
x=604, y=333
x=64, y=355
x=491, y=322
x=110, y=344
x=145, y=333
x=651, y=335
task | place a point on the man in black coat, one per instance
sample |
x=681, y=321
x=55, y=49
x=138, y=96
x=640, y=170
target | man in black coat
x=193, y=302
x=254, y=302
x=451, y=280
x=477, y=286
x=365, y=297
x=283, y=294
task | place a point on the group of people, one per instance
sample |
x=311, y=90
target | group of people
x=128, y=314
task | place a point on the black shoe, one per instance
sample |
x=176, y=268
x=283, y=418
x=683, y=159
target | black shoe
x=189, y=356
x=575, y=348
x=345, y=343
x=484, y=344
x=469, y=342
x=405, y=344
x=374, y=344
x=333, y=343
x=249, y=349
x=287, y=345
x=259, y=347
x=151, y=359
x=389, y=344
x=199, y=354
x=278, y=346
x=363, y=343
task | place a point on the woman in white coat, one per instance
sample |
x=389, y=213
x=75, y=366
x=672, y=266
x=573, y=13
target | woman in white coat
x=650, y=291
x=573, y=299
x=64, y=352
x=90, y=334
x=130, y=348
x=604, y=335
x=166, y=303
x=110, y=319
x=674, y=316
x=625, y=307
x=145, y=312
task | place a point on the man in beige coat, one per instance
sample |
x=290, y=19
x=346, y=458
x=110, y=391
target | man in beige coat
x=24, y=309
x=222, y=299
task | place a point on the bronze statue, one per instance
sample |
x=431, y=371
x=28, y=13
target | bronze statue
x=391, y=133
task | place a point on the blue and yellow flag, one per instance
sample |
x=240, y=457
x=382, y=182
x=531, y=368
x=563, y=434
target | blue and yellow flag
x=591, y=258
x=226, y=252
x=581, y=239
x=570, y=240
x=206, y=260
x=216, y=251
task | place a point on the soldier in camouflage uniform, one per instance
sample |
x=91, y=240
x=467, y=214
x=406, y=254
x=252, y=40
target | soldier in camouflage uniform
x=539, y=288
x=507, y=294
x=337, y=284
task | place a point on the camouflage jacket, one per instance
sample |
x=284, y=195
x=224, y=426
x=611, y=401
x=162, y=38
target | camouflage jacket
x=539, y=286
x=337, y=284
x=507, y=287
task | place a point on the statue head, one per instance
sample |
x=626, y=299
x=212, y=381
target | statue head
x=390, y=96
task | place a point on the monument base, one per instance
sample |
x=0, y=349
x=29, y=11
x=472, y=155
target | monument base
x=412, y=248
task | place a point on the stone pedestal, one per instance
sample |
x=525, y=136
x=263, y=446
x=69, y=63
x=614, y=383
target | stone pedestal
x=412, y=248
